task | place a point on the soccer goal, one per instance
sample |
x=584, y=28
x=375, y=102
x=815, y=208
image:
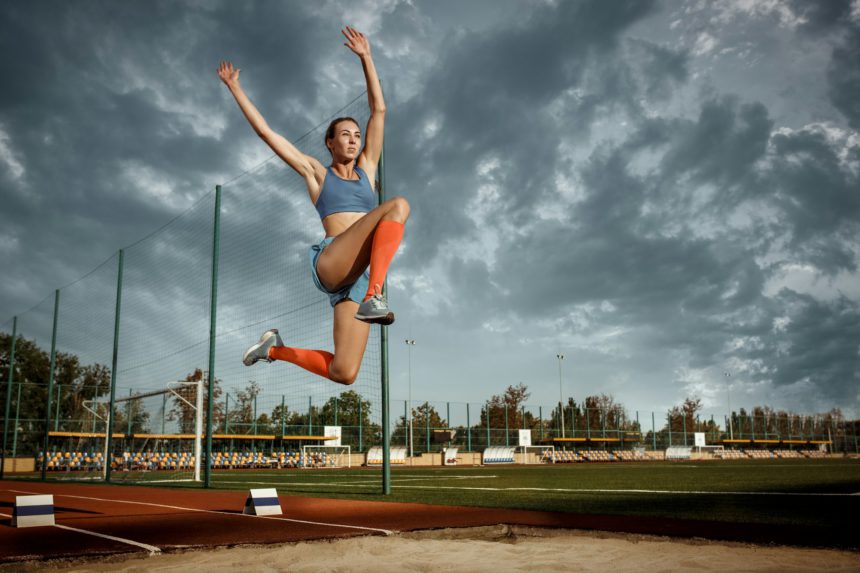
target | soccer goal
x=166, y=448
x=326, y=457
x=536, y=454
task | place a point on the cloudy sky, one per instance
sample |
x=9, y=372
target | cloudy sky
x=661, y=191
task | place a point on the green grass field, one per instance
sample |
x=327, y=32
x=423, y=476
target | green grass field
x=821, y=496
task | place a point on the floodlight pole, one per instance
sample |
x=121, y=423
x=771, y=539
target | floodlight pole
x=560, y=397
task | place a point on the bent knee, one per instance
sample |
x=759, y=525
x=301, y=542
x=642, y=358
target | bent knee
x=345, y=376
x=400, y=206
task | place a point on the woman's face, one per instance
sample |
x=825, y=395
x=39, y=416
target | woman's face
x=346, y=143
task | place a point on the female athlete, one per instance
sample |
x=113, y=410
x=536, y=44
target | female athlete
x=350, y=263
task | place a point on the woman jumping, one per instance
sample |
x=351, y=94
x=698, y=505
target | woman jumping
x=361, y=238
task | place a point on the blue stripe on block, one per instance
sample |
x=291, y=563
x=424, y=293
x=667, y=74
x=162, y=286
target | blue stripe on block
x=26, y=510
x=266, y=501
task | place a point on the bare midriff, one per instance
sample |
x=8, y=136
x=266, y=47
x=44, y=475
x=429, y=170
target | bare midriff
x=337, y=223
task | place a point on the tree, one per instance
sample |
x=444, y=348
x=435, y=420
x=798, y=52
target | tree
x=513, y=398
x=682, y=418
x=242, y=414
x=183, y=409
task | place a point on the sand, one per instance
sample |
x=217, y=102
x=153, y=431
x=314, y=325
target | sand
x=499, y=549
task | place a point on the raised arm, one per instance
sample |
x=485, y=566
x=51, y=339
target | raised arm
x=308, y=167
x=357, y=42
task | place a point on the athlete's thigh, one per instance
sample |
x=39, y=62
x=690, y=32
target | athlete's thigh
x=350, y=336
x=345, y=258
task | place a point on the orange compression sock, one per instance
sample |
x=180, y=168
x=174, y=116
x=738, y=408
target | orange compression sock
x=316, y=361
x=386, y=239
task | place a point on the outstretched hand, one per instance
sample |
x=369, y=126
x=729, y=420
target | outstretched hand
x=228, y=74
x=357, y=42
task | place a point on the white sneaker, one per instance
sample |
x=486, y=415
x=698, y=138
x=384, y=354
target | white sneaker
x=260, y=351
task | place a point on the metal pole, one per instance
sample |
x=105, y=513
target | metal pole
x=198, y=428
x=360, y=426
x=729, y=398
x=335, y=410
x=427, y=426
x=227, y=413
x=17, y=412
x=57, y=409
x=469, y=429
x=540, y=420
x=284, y=417
x=108, y=455
x=9, y=379
x=310, y=420
x=488, y=424
x=587, y=424
x=507, y=432
x=409, y=344
x=560, y=394
x=50, y=384
x=128, y=413
x=653, y=431
x=383, y=342
x=213, y=313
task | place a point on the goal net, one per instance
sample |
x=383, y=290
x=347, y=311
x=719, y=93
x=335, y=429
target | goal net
x=536, y=454
x=318, y=457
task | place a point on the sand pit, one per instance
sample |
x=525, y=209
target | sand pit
x=498, y=549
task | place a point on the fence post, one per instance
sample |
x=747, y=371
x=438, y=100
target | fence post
x=669, y=420
x=488, y=424
x=50, y=385
x=427, y=427
x=653, y=431
x=507, y=432
x=9, y=380
x=17, y=418
x=684, y=421
x=213, y=314
x=128, y=413
x=468, y=429
x=57, y=409
x=360, y=433
x=587, y=424
x=227, y=413
x=284, y=419
x=540, y=421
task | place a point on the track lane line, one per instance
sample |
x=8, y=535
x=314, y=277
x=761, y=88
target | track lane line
x=659, y=491
x=153, y=550
x=215, y=511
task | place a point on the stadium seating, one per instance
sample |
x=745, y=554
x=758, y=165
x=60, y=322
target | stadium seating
x=597, y=456
x=731, y=455
x=630, y=455
x=760, y=454
x=788, y=454
x=561, y=456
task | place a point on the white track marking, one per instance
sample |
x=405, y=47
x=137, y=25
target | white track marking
x=151, y=548
x=369, y=482
x=659, y=491
x=214, y=511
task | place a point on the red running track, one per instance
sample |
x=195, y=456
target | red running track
x=150, y=519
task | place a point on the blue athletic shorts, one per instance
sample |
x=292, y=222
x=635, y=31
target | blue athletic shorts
x=355, y=291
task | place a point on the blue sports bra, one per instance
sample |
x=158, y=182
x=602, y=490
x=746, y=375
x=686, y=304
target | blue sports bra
x=339, y=195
